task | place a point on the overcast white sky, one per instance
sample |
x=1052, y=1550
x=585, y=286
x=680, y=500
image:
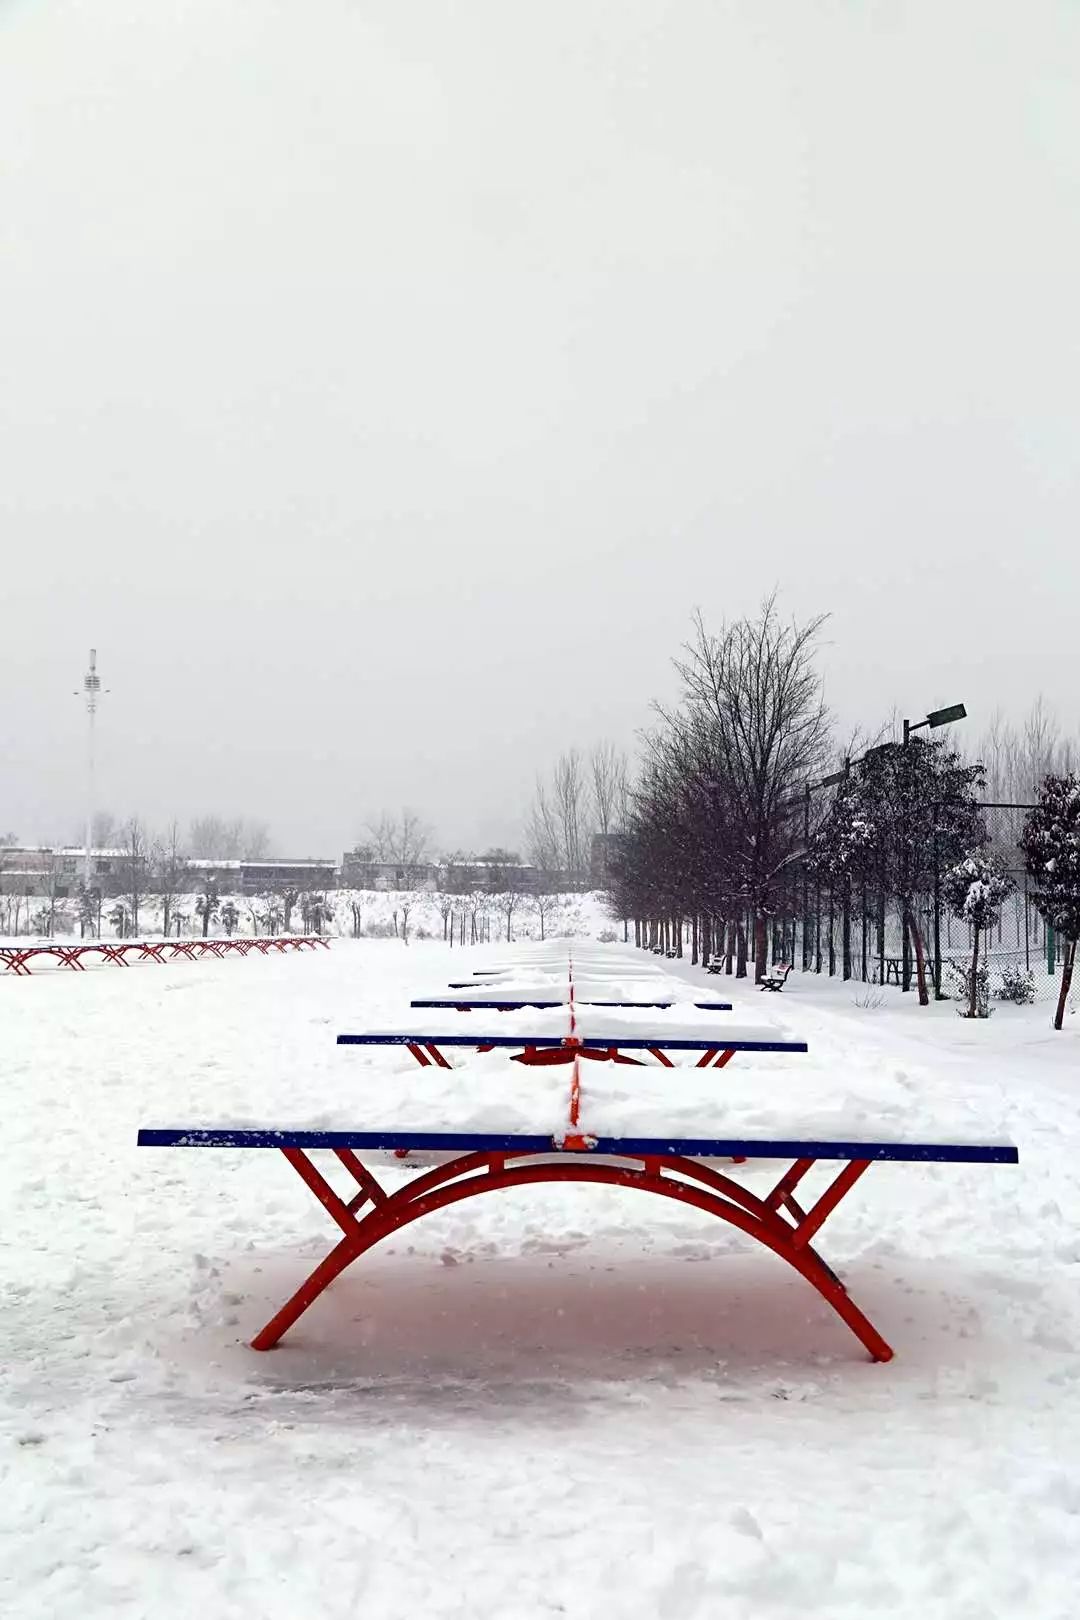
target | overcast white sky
x=383, y=383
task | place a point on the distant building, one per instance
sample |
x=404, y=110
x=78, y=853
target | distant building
x=456, y=876
x=359, y=871
x=263, y=877
x=43, y=869
x=494, y=876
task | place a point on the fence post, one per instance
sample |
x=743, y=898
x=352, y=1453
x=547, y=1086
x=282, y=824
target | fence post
x=937, y=921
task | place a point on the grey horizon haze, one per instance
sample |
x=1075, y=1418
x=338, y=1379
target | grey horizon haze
x=382, y=387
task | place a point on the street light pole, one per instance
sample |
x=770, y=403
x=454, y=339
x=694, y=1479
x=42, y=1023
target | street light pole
x=935, y=718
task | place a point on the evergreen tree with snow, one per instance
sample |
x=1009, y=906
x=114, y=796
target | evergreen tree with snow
x=900, y=819
x=1051, y=846
x=975, y=890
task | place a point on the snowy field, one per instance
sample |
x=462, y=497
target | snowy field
x=550, y=1402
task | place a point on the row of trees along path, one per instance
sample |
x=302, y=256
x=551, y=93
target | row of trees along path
x=718, y=829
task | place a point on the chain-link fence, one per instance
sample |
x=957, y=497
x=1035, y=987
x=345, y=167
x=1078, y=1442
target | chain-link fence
x=853, y=929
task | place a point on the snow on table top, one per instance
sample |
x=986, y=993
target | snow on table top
x=586, y=984
x=765, y=1097
x=251, y=1044
x=555, y=990
x=509, y=1000
x=601, y=1026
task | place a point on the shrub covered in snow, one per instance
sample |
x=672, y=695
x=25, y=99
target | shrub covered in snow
x=975, y=889
x=972, y=981
x=1017, y=985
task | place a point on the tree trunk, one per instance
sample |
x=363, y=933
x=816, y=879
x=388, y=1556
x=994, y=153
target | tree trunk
x=761, y=946
x=920, y=960
x=740, y=950
x=972, y=998
x=1066, y=981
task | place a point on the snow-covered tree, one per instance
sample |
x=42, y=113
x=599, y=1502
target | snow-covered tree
x=898, y=822
x=315, y=909
x=975, y=890
x=207, y=905
x=1051, y=846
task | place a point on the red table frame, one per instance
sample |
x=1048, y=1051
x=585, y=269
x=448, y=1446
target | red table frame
x=778, y=1221
x=17, y=958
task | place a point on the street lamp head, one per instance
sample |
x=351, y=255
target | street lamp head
x=942, y=717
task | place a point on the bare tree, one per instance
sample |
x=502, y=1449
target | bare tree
x=607, y=774
x=219, y=838
x=405, y=905
x=476, y=906
x=55, y=880
x=508, y=902
x=402, y=839
x=609, y=790
x=380, y=835
x=752, y=726
x=169, y=872
x=559, y=820
x=256, y=842
x=209, y=838
x=545, y=843
x=134, y=869
x=545, y=906
x=1017, y=759
x=569, y=791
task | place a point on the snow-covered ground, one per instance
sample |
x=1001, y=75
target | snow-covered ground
x=553, y=1401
